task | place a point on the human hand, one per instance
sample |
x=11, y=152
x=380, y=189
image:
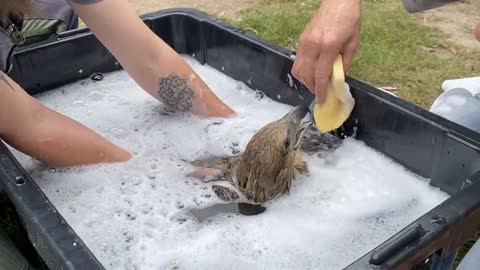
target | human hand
x=334, y=29
x=53, y=138
x=149, y=60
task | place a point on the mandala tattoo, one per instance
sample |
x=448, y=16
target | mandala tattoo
x=3, y=78
x=176, y=93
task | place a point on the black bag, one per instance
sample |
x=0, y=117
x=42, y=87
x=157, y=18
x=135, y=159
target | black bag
x=51, y=18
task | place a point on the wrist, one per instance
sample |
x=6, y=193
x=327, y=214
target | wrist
x=181, y=89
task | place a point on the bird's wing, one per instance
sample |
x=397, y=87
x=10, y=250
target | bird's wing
x=314, y=142
x=226, y=193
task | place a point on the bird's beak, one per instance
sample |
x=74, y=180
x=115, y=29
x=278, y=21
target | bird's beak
x=300, y=119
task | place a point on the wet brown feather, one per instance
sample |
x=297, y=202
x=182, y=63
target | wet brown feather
x=266, y=170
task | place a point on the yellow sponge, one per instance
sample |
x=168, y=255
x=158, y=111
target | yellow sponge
x=338, y=104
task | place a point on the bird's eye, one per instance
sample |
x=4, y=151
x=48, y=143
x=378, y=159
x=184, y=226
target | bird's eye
x=287, y=144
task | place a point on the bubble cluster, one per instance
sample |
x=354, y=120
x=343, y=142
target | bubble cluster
x=136, y=215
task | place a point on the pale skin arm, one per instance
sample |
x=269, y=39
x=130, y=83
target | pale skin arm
x=53, y=138
x=334, y=29
x=57, y=140
x=148, y=59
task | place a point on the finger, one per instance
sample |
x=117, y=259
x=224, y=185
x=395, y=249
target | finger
x=303, y=70
x=348, y=55
x=323, y=69
x=304, y=65
x=350, y=51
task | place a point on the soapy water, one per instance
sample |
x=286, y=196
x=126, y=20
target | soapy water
x=140, y=214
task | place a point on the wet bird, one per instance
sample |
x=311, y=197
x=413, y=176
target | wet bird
x=271, y=161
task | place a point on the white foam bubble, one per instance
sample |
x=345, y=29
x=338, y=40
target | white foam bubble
x=133, y=215
x=290, y=80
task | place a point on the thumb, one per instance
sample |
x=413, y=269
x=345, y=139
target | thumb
x=323, y=70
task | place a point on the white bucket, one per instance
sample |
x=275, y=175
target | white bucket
x=460, y=103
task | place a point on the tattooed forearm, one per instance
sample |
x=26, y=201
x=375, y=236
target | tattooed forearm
x=3, y=78
x=176, y=93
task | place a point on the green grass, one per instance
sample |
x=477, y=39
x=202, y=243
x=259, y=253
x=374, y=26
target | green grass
x=462, y=251
x=395, y=50
x=279, y=21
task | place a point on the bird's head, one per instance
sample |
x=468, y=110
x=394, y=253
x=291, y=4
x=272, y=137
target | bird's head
x=282, y=136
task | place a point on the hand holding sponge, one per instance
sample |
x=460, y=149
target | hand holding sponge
x=338, y=104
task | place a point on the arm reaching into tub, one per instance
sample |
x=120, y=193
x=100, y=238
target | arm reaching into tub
x=50, y=137
x=155, y=66
x=334, y=29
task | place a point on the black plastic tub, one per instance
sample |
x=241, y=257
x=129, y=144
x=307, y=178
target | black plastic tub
x=426, y=144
